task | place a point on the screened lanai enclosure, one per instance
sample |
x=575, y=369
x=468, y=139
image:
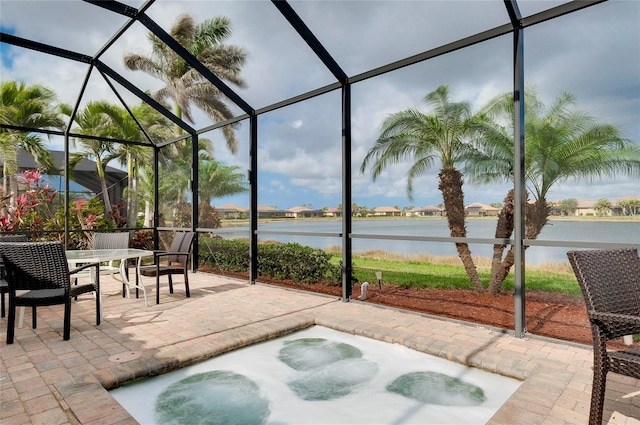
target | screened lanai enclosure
x=304, y=103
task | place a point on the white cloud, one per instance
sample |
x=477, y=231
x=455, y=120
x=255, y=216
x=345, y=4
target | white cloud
x=302, y=143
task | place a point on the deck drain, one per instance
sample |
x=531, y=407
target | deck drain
x=125, y=357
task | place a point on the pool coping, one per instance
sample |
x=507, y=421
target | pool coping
x=556, y=376
x=534, y=375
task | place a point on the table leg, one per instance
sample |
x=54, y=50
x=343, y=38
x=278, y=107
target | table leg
x=138, y=285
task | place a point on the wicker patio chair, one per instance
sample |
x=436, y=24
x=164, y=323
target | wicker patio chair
x=610, y=283
x=108, y=241
x=177, y=262
x=41, y=269
x=4, y=286
x=111, y=241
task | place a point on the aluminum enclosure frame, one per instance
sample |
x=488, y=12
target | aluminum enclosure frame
x=343, y=82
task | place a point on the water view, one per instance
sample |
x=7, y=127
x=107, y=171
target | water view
x=319, y=376
x=558, y=230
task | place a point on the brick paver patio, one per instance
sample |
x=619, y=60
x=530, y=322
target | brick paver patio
x=45, y=380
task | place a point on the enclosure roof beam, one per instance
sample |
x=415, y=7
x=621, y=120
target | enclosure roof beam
x=555, y=12
x=438, y=51
x=122, y=29
x=104, y=69
x=307, y=35
x=195, y=63
x=115, y=6
x=44, y=48
x=152, y=26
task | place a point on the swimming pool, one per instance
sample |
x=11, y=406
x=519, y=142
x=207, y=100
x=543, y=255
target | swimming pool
x=319, y=376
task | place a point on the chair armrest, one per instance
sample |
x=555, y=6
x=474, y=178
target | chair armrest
x=165, y=253
x=615, y=324
x=168, y=253
x=85, y=266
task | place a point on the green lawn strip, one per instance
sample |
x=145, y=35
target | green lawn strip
x=451, y=276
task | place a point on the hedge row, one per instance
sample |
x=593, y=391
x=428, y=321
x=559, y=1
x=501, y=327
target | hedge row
x=286, y=261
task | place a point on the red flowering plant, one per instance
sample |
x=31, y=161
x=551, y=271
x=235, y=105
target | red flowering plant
x=28, y=209
x=86, y=215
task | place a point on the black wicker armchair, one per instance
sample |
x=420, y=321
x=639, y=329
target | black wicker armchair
x=610, y=283
x=38, y=275
x=4, y=286
x=177, y=262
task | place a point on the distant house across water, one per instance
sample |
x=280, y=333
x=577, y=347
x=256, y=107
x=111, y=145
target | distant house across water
x=386, y=212
x=585, y=207
x=428, y=211
x=478, y=209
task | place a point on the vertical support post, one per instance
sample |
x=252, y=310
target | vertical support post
x=520, y=193
x=195, y=200
x=347, y=266
x=253, y=198
x=156, y=197
x=66, y=187
x=66, y=157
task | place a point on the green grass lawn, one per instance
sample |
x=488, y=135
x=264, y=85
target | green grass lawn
x=451, y=275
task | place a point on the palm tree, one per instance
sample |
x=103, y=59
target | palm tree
x=157, y=128
x=629, y=206
x=183, y=84
x=426, y=139
x=602, y=206
x=26, y=106
x=218, y=181
x=96, y=120
x=177, y=169
x=562, y=144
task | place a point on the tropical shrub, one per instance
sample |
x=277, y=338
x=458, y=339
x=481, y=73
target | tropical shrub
x=142, y=239
x=85, y=215
x=230, y=255
x=288, y=261
x=208, y=216
x=30, y=209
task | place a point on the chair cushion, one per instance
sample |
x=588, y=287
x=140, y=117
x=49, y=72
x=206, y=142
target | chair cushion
x=162, y=270
x=76, y=290
x=42, y=297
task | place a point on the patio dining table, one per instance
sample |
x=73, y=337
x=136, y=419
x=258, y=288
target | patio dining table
x=76, y=257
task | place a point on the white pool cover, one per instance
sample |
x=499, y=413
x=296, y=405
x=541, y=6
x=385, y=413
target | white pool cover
x=319, y=376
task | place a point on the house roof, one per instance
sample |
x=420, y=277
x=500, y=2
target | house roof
x=299, y=209
x=386, y=209
x=232, y=207
x=482, y=206
x=84, y=172
x=427, y=208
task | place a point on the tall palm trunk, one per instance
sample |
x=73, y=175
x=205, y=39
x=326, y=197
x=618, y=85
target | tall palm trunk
x=103, y=183
x=453, y=197
x=536, y=217
x=7, y=183
x=132, y=194
x=504, y=230
x=5, y=180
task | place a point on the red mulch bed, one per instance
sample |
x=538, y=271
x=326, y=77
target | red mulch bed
x=552, y=315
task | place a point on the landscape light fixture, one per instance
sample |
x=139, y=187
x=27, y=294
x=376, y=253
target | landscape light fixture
x=379, y=277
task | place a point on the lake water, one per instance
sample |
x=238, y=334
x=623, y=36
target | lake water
x=557, y=231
